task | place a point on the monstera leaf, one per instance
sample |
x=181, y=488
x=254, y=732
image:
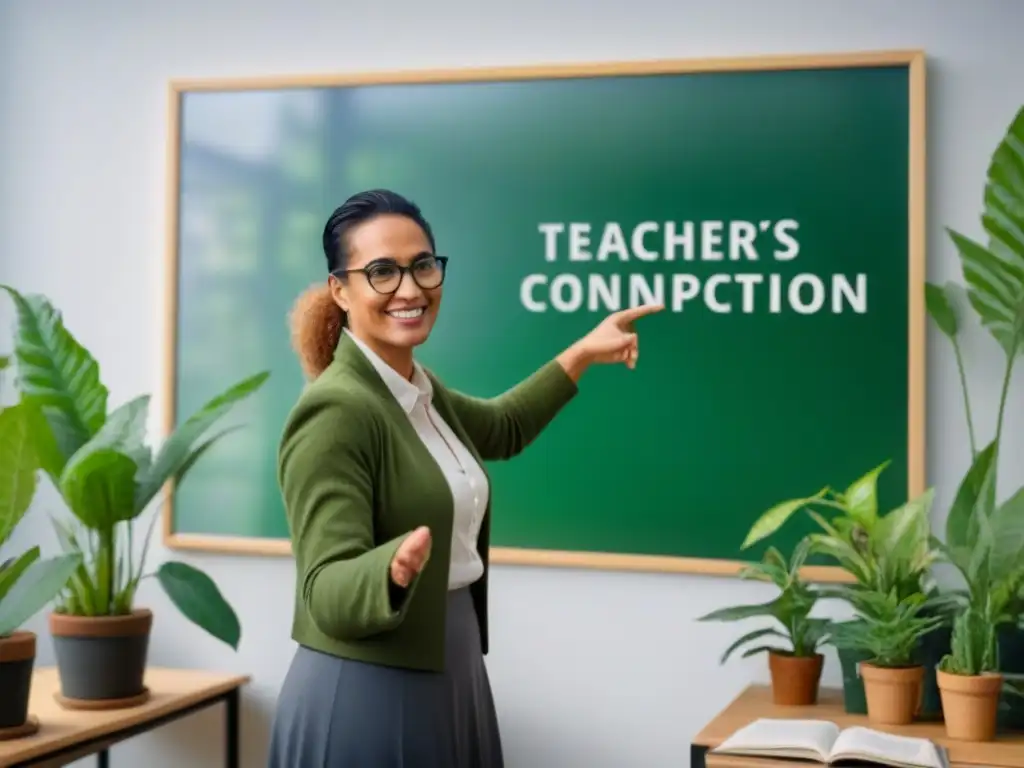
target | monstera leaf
x=995, y=271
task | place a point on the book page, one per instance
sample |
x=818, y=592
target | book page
x=899, y=751
x=783, y=736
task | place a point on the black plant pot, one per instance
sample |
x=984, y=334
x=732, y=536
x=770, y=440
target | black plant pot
x=1010, y=639
x=855, y=701
x=102, y=660
x=930, y=650
x=17, y=658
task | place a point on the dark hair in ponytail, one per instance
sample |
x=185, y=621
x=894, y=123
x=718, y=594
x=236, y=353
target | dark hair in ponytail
x=316, y=320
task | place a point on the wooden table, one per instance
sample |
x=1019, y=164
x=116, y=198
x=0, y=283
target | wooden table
x=67, y=735
x=1007, y=751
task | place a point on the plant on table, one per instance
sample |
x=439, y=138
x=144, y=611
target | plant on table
x=984, y=538
x=796, y=669
x=108, y=477
x=890, y=554
x=27, y=582
x=888, y=633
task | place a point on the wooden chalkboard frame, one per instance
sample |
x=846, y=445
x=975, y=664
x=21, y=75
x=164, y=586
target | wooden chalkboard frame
x=913, y=60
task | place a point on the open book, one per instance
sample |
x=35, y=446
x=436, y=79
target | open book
x=825, y=742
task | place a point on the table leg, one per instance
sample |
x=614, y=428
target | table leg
x=103, y=759
x=231, y=703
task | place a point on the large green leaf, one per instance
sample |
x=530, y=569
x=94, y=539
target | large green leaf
x=125, y=431
x=5, y=362
x=198, y=598
x=995, y=273
x=1007, y=554
x=100, y=488
x=40, y=584
x=769, y=522
x=18, y=467
x=174, y=455
x=57, y=373
x=861, y=498
x=941, y=308
x=975, y=496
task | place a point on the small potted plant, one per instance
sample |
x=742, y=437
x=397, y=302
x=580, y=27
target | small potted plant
x=969, y=681
x=888, y=631
x=108, y=477
x=27, y=583
x=888, y=553
x=795, y=670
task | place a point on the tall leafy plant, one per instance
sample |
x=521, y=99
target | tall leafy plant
x=108, y=476
x=984, y=538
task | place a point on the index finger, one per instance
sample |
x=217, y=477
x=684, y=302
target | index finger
x=635, y=313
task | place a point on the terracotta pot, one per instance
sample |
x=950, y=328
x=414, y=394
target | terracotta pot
x=101, y=660
x=970, y=704
x=17, y=658
x=795, y=679
x=893, y=693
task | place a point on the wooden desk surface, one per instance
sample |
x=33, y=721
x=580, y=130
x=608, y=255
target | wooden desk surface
x=171, y=690
x=1007, y=751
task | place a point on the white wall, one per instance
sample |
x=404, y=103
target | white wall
x=589, y=668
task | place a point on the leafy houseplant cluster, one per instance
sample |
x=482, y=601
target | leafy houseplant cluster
x=796, y=669
x=108, y=478
x=985, y=538
x=889, y=558
x=908, y=636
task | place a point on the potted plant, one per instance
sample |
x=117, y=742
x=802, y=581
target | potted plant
x=795, y=670
x=108, y=477
x=984, y=543
x=27, y=583
x=969, y=679
x=888, y=554
x=995, y=292
x=888, y=631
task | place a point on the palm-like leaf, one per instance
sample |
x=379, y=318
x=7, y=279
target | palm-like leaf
x=58, y=375
x=995, y=272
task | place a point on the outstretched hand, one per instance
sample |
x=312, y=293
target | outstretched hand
x=613, y=340
x=411, y=556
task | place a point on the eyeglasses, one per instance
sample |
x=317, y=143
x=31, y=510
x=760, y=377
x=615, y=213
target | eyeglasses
x=386, y=276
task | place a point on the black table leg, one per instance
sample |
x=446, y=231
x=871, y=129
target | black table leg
x=230, y=730
x=103, y=759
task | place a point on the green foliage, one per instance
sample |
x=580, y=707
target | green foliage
x=973, y=646
x=888, y=628
x=790, y=610
x=27, y=583
x=108, y=475
x=890, y=553
x=985, y=539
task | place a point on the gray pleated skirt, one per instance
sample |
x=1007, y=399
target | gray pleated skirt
x=340, y=713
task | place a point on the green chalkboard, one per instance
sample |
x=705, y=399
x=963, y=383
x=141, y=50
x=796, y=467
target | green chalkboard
x=774, y=206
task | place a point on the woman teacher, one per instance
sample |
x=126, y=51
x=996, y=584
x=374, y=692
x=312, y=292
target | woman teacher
x=388, y=506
